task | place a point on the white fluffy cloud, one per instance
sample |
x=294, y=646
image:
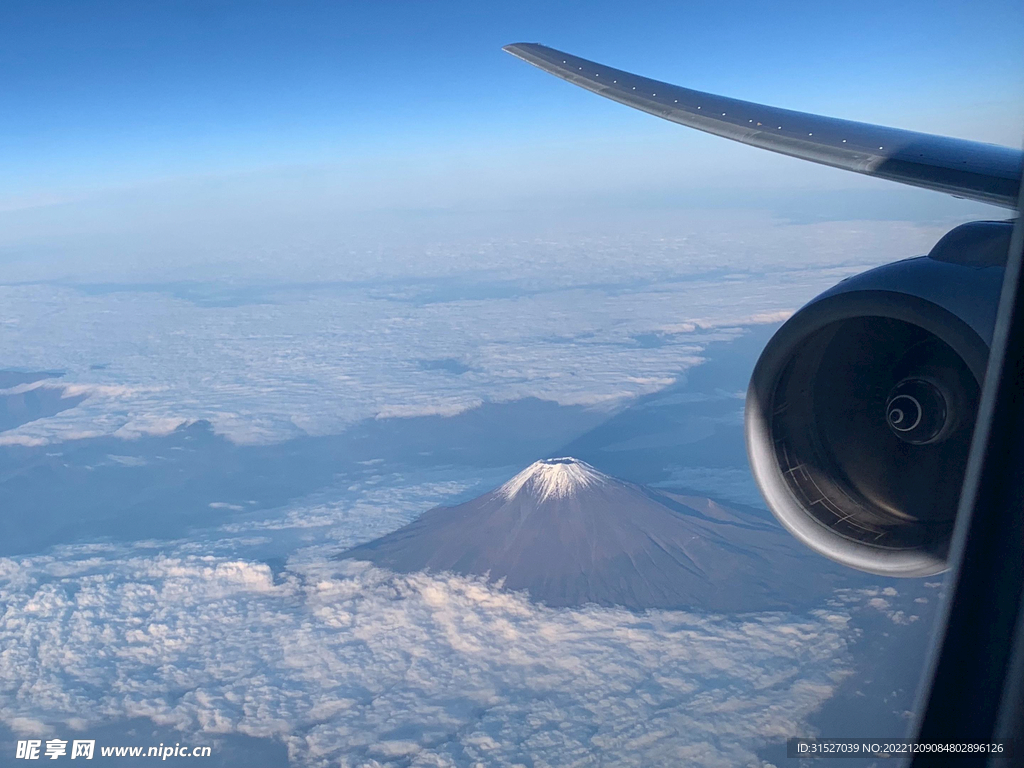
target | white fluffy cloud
x=346, y=662
x=591, y=321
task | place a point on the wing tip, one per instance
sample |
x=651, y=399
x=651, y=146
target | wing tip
x=525, y=51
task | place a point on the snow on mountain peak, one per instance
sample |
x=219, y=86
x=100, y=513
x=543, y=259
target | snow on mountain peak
x=553, y=478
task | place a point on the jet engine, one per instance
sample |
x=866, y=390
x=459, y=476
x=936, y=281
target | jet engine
x=861, y=408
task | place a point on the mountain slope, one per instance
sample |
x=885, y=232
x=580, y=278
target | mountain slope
x=572, y=535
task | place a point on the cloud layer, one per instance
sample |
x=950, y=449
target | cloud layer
x=346, y=662
x=583, y=320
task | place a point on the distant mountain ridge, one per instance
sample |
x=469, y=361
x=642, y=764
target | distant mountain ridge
x=570, y=535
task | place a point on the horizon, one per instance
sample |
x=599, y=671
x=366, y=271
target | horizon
x=217, y=128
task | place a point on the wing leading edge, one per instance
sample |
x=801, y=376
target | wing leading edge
x=968, y=169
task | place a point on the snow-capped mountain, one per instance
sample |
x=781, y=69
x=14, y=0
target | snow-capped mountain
x=553, y=478
x=570, y=535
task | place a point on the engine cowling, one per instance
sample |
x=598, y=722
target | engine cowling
x=861, y=408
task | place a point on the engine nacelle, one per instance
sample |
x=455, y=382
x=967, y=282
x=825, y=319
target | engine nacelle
x=861, y=408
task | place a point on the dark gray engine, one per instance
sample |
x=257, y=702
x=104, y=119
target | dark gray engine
x=861, y=408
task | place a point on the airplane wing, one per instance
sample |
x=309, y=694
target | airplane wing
x=968, y=169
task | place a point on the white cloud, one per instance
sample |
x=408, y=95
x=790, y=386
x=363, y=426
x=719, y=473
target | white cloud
x=20, y=389
x=149, y=425
x=769, y=317
x=423, y=409
x=346, y=662
x=101, y=390
x=27, y=441
x=557, y=319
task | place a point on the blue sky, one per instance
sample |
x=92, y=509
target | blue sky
x=414, y=105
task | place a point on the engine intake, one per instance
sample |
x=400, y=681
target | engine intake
x=861, y=408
